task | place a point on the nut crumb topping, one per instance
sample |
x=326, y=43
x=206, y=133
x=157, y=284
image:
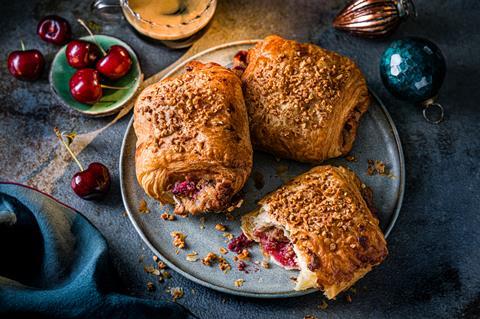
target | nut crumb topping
x=223, y=264
x=220, y=227
x=150, y=286
x=167, y=216
x=209, y=259
x=142, y=207
x=178, y=239
x=176, y=293
x=193, y=256
x=239, y=282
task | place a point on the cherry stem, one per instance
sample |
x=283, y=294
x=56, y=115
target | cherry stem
x=23, y=45
x=114, y=87
x=59, y=135
x=84, y=25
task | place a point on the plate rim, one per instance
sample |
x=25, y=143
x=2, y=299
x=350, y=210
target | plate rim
x=110, y=111
x=228, y=290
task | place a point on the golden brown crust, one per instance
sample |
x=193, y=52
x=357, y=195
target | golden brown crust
x=330, y=225
x=193, y=127
x=303, y=102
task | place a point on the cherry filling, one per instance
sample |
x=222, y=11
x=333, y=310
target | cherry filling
x=238, y=244
x=276, y=244
x=184, y=189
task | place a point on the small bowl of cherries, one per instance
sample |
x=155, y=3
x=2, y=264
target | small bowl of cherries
x=95, y=75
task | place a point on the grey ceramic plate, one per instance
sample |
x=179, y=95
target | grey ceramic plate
x=377, y=139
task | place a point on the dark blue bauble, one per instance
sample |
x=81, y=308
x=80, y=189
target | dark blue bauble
x=413, y=69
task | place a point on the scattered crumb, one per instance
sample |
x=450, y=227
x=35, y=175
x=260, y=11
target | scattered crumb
x=178, y=239
x=223, y=264
x=209, y=259
x=220, y=227
x=244, y=255
x=155, y=258
x=377, y=167
x=202, y=222
x=166, y=274
x=239, y=282
x=223, y=251
x=229, y=217
x=351, y=158
x=167, y=216
x=161, y=265
x=124, y=214
x=294, y=279
x=236, y=205
x=265, y=264
x=228, y=236
x=156, y=272
x=348, y=298
x=309, y=317
x=143, y=208
x=150, y=286
x=176, y=293
x=323, y=305
x=193, y=256
x=148, y=269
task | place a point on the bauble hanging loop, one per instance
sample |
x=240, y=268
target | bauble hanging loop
x=413, y=69
x=373, y=18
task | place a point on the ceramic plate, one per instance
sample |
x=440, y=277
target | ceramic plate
x=112, y=100
x=377, y=139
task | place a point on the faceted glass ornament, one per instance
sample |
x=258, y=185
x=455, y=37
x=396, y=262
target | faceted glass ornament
x=413, y=69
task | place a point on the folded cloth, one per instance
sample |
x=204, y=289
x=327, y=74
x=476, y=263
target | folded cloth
x=54, y=264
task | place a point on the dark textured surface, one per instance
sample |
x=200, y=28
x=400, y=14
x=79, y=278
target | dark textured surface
x=433, y=267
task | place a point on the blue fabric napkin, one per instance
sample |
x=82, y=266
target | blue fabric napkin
x=54, y=264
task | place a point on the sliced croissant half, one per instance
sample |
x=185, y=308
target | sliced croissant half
x=320, y=223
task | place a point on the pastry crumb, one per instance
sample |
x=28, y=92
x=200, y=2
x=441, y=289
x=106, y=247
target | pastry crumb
x=309, y=317
x=150, y=286
x=223, y=264
x=377, y=167
x=265, y=264
x=220, y=227
x=209, y=259
x=178, y=239
x=351, y=158
x=193, y=256
x=223, y=251
x=228, y=236
x=239, y=282
x=161, y=265
x=167, y=216
x=142, y=207
x=348, y=298
x=166, y=274
x=229, y=217
x=243, y=255
x=176, y=293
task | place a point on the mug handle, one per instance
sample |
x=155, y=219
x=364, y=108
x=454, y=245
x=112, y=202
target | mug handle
x=107, y=9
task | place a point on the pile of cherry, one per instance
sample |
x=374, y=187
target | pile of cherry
x=94, y=181
x=91, y=61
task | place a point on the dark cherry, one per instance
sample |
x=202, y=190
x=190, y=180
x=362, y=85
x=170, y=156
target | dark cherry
x=82, y=54
x=85, y=86
x=92, y=183
x=116, y=63
x=54, y=29
x=26, y=65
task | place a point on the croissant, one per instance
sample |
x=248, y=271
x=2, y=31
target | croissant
x=303, y=102
x=193, y=144
x=320, y=223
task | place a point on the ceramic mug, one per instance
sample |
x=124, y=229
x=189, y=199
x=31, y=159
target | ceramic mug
x=177, y=23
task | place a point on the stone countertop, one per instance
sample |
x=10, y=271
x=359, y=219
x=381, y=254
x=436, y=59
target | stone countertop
x=433, y=267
